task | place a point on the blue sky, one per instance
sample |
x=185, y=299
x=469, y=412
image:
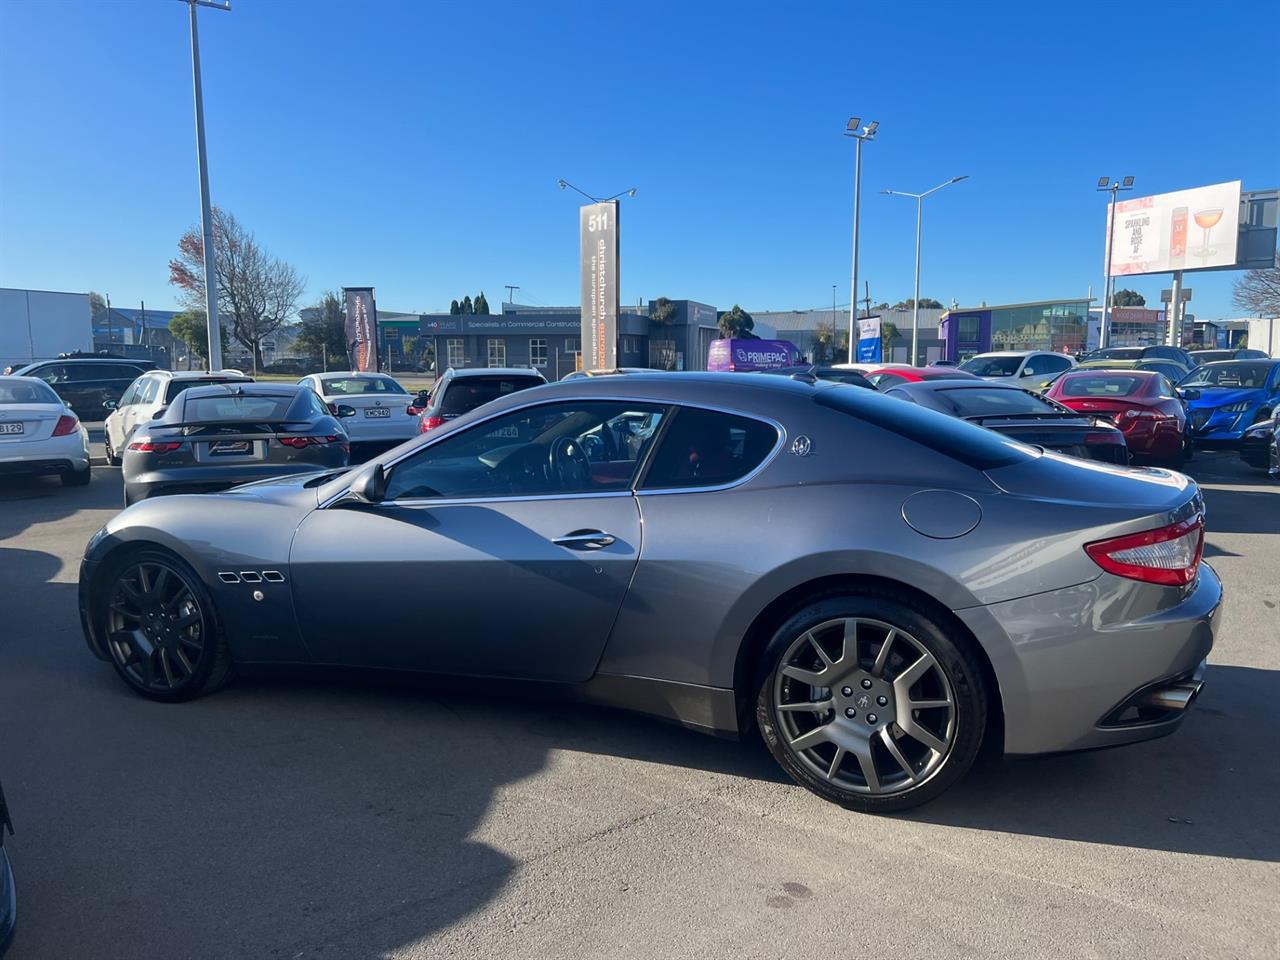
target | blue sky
x=416, y=146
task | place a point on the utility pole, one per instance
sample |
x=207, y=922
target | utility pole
x=110, y=340
x=1114, y=187
x=511, y=290
x=868, y=132
x=206, y=213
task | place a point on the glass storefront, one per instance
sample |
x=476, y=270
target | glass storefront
x=1060, y=327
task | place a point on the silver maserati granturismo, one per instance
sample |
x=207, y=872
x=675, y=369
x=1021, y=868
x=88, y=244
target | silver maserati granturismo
x=875, y=588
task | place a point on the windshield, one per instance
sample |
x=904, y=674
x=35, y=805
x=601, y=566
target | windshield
x=992, y=402
x=1116, y=353
x=256, y=407
x=992, y=366
x=175, y=387
x=1097, y=385
x=466, y=393
x=22, y=391
x=1238, y=374
x=349, y=386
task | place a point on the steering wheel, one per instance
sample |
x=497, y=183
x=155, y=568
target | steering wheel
x=567, y=464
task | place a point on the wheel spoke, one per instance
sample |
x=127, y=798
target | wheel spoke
x=892, y=746
x=836, y=760
x=130, y=592
x=164, y=664
x=805, y=676
x=185, y=621
x=807, y=741
x=882, y=656
x=822, y=654
x=867, y=761
x=159, y=582
x=182, y=659
x=849, y=649
x=904, y=681
x=143, y=582
x=927, y=704
x=916, y=731
x=812, y=706
x=124, y=610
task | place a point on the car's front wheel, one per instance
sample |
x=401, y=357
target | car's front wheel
x=160, y=627
x=868, y=700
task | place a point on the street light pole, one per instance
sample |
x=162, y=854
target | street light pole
x=915, y=304
x=206, y=213
x=851, y=129
x=1113, y=187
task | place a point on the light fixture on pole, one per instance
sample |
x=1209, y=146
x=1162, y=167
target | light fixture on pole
x=629, y=192
x=860, y=135
x=915, y=304
x=206, y=213
x=1107, y=185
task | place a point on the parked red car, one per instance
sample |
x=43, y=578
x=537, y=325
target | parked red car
x=1145, y=406
x=893, y=375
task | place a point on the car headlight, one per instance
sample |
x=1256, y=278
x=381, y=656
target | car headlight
x=1261, y=429
x=1240, y=407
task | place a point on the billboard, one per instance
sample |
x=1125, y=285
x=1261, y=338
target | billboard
x=1195, y=229
x=598, y=237
x=869, y=344
x=361, y=328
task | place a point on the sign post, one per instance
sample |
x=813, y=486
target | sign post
x=598, y=238
x=361, y=326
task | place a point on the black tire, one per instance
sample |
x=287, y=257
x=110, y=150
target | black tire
x=77, y=478
x=113, y=459
x=918, y=628
x=212, y=667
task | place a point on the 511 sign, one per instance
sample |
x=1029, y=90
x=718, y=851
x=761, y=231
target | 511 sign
x=598, y=241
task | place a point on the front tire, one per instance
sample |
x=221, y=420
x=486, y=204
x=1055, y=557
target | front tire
x=869, y=701
x=159, y=626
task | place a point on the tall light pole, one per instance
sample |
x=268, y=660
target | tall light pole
x=1113, y=187
x=860, y=134
x=915, y=304
x=206, y=214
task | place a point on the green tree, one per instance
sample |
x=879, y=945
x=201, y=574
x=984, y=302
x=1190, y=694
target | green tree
x=824, y=342
x=1128, y=298
x=481, y=305
x=736, y=323
x=192, y=328
x=926, y=303
x=322, y=330
x=97, y=305
x=455, y=308
x=662, y=312
x=888, y=334
x=467, y=306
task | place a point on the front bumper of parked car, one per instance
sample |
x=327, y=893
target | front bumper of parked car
x=1220, y=425
x=1069, y=662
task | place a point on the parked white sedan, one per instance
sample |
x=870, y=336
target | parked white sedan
x=381, y=405
x=39, y=433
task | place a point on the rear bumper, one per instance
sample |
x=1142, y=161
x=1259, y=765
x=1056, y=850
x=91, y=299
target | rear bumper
x=50, y=455
x=1067, y=660
x=44, y=467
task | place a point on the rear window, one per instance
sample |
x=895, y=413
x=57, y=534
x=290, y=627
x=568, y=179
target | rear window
x=175, y=387
x=353, y=386
x=253, y=407
x=1085, y=385
x=992, y=402
x=992, y=366
x=960, y=440
x=15, y=391
x=464, y=394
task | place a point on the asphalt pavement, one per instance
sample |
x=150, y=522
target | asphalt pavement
x=327, y=818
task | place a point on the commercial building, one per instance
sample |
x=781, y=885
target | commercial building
x=823, y=335
x=1058, y=325
x=1134, y=326
x=40, y=324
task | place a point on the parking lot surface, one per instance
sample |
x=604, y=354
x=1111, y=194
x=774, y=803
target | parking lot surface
x=328, y=817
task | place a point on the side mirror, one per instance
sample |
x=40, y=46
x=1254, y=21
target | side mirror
x=110, y=404
x=424, y=395
x=345, y=411
x=1028, y=372
x=369, y=486
x=159, y=413
x=1189, y=393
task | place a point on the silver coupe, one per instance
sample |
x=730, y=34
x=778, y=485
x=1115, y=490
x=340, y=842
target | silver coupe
x=877, y=589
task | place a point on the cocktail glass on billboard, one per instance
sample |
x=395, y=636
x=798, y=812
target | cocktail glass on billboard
x=1206, y=220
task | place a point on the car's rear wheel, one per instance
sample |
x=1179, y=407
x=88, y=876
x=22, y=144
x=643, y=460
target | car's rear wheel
x=160, y=627
x=113, y=458
x=868, y=700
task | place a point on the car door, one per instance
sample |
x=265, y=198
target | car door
x=116, y=425
x=502, y=549
x=145, y=402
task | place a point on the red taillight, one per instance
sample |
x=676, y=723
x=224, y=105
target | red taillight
x=65, y=426
x=299, y=442
x=156, y=446
x=429, y=423
x=1169, y=555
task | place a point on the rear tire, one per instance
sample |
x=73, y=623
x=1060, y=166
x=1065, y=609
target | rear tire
x=159, y=625
x=871, y=729
x=77, y=478
x=113, y=459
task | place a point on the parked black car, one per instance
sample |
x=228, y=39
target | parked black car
x=8, y=893
x=1260, y=446
x=1020, y=415
x=1234, y=353
x=85, y=383
x=220, y=436
x=1158, y=351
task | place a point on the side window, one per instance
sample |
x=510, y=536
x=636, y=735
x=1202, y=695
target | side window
x=545, y=450
x=148, y=392
x=1053, y=364
x=54, y=373
x=706, y=448
x=131, y=394
x=1164, y=389
x=882, y=381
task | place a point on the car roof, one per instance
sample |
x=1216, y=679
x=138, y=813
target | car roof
x=1014, y=353
x=247, y=388
x=234, y=375
x=1133, y=371
x=960, y=383
x=495, y=372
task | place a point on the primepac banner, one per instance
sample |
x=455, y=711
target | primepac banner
x=869, y=340
x=598, y=235
x=1194, y=229
x=361, y=328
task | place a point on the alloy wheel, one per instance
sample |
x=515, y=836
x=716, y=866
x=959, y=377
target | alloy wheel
x=156, y=627
x=865, y=706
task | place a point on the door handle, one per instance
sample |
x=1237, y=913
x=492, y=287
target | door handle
x=585, y=540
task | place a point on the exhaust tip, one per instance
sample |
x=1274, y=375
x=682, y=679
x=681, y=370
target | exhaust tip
x=1176, y=696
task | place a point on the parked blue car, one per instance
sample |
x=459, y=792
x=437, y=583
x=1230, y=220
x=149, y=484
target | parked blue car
x=1225, y=398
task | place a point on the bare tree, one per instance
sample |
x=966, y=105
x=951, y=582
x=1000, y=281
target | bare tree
x=257, y=293
x=1258, y=291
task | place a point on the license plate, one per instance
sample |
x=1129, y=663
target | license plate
x=229, y=447
x=12, y=428
x=377, y=411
